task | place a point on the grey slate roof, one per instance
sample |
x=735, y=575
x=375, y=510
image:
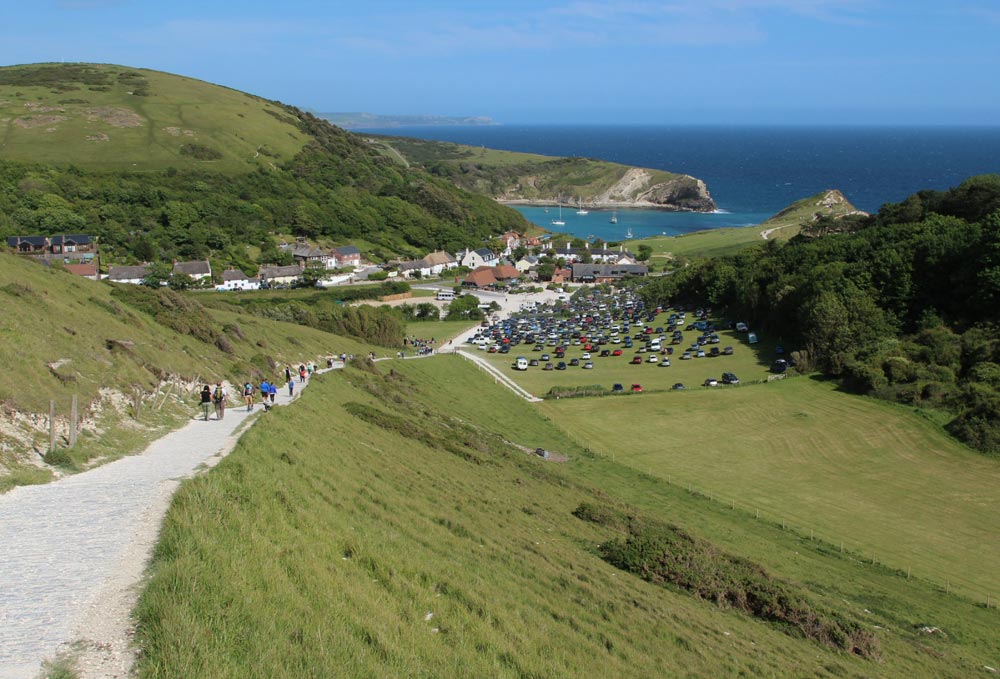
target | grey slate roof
x=196, y=268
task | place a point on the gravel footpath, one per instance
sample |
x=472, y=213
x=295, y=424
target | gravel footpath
x=72, y=552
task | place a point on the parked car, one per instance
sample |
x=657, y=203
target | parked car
x=589, y=365
x=714, y=351
x=549, y=366
x=730, y=378
x=636, y=388
x=561, y=365
x=533, y=362
x=710, y=382
x=652, y=359
x=616, y=352
x=636, y=360
x=617, y=389
x=728, y=351
x=686, y=356
x=700, y=354
x=665, y=363
x=586, y=355
x=546, y=357
x=574, y=362
x=779, y=366
x=678, y=386
x=741, y=327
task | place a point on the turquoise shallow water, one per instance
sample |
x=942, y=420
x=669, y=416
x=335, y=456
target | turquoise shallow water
x=643, y=223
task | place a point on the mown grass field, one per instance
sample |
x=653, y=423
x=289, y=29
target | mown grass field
x=381, y=528
x=108, y=126
x=748, y=362
x=880, y=479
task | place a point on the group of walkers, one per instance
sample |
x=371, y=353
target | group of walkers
x=216, y=398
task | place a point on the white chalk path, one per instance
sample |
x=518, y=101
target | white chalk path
x=72, y=552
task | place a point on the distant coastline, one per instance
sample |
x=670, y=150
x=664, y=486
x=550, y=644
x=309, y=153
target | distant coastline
x=599, y=205
x=361, y=120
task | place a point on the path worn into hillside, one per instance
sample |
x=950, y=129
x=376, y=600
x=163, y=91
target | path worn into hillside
x=72, y=552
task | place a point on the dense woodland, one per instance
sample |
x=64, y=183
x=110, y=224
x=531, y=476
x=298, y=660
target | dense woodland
x=337, y=188
x=903, y=305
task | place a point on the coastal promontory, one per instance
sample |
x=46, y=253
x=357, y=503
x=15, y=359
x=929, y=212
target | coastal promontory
x=530, y=179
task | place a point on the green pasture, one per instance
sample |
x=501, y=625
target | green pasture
x=441, y=331
x=884, y=481
x=408, y=537
x=126, y=125
x=749, y=363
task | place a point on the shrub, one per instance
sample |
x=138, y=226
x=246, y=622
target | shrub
x=200, y=152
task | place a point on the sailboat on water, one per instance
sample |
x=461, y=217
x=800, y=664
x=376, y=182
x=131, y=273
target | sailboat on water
x=628, y=234
x=614, y=217
x=559, y=222
x=582, y=210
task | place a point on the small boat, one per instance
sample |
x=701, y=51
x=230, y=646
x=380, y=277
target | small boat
x=559, y=222
x=582, y=210
x=628, y=234
x=614, y=217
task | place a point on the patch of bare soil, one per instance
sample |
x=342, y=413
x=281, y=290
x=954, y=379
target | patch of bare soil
x=116, y=117
x=36, y=107
x=176, y=131
x=28, y=122
x=98, y=137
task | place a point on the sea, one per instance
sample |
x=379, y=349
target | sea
x=751, y=172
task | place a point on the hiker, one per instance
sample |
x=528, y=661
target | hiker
x=265, y=390
x=219, y=399
x=302, y=373
x=206, y=401
x=288, y=373
x=272, y=392
x=291, y=388
x=248, y=395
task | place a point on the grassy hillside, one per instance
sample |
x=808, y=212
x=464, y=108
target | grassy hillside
x=782, y=226
x=107, y=117
x=532, y=178
x=872, y=475
x=65, y=336
x=405, y=537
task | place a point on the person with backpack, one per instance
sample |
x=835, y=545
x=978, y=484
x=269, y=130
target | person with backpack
x=302, y=372
x=272, y=392
x=248, y=395
x=265, y=389
x=206, y=401
x=219, y=399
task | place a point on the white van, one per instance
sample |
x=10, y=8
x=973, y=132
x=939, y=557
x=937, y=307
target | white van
x=445, y=295
x=520, y=363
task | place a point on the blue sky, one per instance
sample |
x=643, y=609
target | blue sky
x=570, y=61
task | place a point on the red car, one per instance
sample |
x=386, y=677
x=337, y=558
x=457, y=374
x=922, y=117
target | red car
x=636, y=388
x=616, y=352
x=637, y=360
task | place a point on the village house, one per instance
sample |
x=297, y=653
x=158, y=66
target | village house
x=482, y=277
x=128, y=274
x=511, y=240
x=473, y=259
x=69, y=246
x=305, y=254
x=87, y=270
x=197, y=270
x=438, y=262
x=280, y=275
x=345, y=256
x=527, y=263
x=235, y=279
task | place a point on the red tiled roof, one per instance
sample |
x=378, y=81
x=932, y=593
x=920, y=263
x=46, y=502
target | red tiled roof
x=81, y=269
x=482, y=277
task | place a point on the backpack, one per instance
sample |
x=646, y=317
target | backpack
x=217, y=396
x=248, y=390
